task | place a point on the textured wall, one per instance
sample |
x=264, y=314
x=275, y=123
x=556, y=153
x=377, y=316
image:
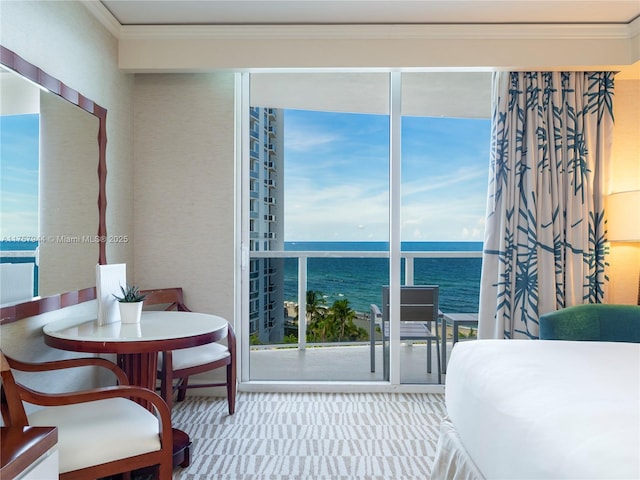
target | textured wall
x=68, y=192
x=184, y=187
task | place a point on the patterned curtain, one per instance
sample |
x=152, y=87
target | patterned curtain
x=544, y=233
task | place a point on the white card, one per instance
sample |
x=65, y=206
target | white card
x=109, y=279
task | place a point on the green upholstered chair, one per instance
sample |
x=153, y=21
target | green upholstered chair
x=595, y=322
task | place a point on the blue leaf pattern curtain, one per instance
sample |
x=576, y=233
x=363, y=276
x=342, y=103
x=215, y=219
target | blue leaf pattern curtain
x=544, y=232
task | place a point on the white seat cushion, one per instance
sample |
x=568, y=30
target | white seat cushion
x=190, y=357
x=97, y=432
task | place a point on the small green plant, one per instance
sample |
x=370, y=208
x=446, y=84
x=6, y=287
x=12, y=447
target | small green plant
x=130, y=294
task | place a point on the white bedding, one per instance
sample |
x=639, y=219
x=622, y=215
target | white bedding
x=535, y=409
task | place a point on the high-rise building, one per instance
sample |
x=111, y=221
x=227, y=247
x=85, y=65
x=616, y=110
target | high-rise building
x=266, y=224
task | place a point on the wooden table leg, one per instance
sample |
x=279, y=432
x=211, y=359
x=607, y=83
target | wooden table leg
x=181, y=449
x=181, y=454
x=141, y=371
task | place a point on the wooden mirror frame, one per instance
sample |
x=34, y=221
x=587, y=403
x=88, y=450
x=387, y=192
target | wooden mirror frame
x=14, y=62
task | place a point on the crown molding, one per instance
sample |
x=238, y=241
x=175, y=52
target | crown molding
x=357, y=31
x=104, y=16
x=634, y=27
x=389, y=32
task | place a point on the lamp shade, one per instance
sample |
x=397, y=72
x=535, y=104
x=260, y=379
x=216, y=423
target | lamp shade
x=623, y=216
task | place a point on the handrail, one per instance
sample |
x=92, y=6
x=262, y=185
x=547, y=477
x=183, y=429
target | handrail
x=361, y=254
x=303, y=255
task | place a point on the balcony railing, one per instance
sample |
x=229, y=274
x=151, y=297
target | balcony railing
x=19, y=273
x=302, y=257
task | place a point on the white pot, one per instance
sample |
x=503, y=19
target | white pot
x=130, y=312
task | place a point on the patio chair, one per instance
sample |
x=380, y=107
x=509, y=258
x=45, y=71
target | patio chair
x=181, y=364
x=419, y=316
x=102, y=432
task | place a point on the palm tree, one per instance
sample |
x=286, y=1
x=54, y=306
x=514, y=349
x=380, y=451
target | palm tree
x=315, y=304
x=343, y=315
x=316, y=316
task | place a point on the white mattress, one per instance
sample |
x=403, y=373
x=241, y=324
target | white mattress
x=535, y=409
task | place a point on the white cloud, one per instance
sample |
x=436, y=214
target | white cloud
x=18, y=224
x=300, y=139
x=337, y=188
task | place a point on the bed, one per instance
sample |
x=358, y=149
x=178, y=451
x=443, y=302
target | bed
x=541, y=409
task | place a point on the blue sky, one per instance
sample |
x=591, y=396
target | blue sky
x=336, y=177
x=19, y=138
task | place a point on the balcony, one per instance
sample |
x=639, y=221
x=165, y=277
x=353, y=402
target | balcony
x=349, y=361
x=336, y=363
x=19, y=275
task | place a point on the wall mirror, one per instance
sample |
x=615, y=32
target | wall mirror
x=53, y=208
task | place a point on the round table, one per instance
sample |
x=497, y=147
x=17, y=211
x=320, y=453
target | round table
x=137, y=346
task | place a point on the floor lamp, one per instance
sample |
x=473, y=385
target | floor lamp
x=623, y=224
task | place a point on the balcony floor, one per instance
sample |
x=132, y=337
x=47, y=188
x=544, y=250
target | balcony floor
x=342, y=363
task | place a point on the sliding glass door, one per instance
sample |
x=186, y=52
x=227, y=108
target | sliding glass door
x=317, y=225
x=445, y=150
x=348, y=182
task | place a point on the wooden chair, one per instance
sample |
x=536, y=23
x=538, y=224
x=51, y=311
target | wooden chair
x=101, y=431
x=181, y=364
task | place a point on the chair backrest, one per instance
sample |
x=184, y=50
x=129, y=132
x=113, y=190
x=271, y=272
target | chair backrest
x=167, y=298
x=592, y=322
x=418, y=303
x=13, y=413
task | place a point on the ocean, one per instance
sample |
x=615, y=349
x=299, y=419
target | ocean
x=360, y=279
x=6, y=245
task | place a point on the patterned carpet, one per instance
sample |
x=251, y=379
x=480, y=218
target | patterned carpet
x=320, y=436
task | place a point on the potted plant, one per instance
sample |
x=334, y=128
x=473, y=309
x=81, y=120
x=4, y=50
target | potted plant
x=130, y=303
